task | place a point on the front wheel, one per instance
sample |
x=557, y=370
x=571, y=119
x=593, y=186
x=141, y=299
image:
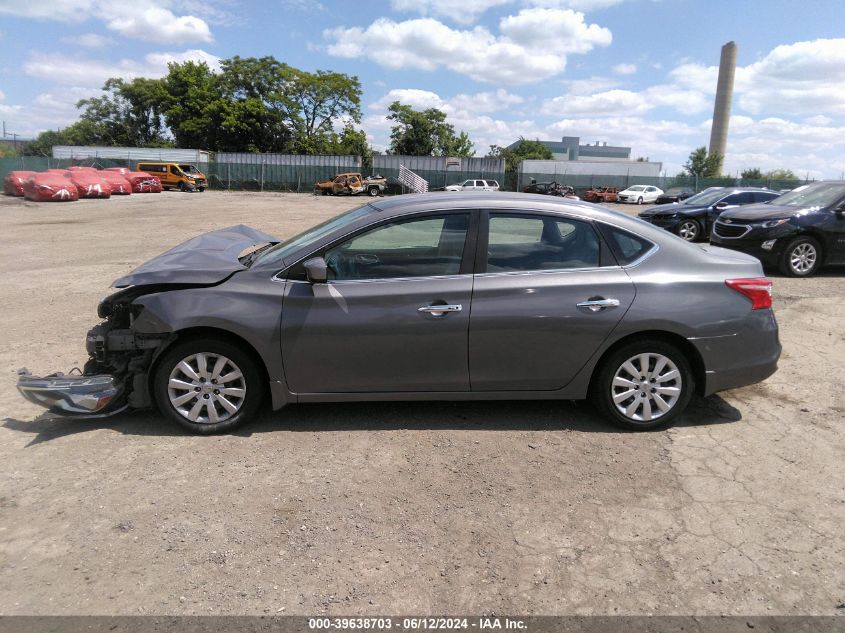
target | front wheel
x=643, y=385
x=690, y=230
x=801, y=257
x=207, y=386
x=639, y=200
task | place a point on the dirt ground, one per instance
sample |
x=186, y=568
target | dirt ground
x=523, y=507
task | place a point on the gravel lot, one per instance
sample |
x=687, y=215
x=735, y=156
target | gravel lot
x=523, y=507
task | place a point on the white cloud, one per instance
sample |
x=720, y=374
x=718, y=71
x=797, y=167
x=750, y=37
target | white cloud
x=2, y=96
x=89, y=40
x=75, y=71
x=156, y=24
x=625, y=69
x=143, y=20
x=532, y=45
x=465, y=12
x=61, y=10
x=610, y=103
x=578, y=5
x=486, y=101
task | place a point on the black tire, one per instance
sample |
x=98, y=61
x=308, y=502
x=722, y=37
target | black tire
x=795, y=260
x=182, y=187
x=690, y=230
x=200, y=189
x=602, y=388
x=373, y=191
x=253, y=385
x=639, y=200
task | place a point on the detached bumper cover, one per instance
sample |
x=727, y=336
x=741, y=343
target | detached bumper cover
x=72, y=395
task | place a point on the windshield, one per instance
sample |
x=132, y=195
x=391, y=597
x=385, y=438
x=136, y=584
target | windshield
x=189, y=169
x=637, y=188
x=707, y=196
x=822, y=194
x=281, y=250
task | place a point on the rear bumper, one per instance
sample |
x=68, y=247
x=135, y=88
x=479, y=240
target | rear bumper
x=82, y=396
x=744, y=358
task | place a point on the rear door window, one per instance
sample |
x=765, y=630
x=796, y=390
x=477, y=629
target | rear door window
x=534, y=243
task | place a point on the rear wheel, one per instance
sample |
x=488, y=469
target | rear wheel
x=801, y=257
x=373, y=191
x=644, y=385
x=207, y=386
x=690, y=230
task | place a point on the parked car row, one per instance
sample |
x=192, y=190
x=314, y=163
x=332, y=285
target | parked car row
x=796, y=232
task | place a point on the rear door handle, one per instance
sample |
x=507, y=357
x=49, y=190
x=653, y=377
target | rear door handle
x=441, y=309
x=599, y=304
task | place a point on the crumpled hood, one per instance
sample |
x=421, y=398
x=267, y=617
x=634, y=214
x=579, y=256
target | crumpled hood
x=665, y=209
x=205, y=259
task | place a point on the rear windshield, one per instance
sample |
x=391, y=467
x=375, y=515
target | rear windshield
x=707, y=197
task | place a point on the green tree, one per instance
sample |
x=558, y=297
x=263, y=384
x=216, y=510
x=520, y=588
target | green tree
x=425, y=133
x=353, y=142
x=704, y=165
x=752, y=173
x=194, y=105
x=314, y=102
x=525, y=150
x=780, y=174
x=130, y=113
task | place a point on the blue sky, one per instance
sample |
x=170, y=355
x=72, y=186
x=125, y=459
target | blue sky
x=629, y=72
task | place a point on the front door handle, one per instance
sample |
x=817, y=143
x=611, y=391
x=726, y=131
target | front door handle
x=598, y=304
x=440, y=310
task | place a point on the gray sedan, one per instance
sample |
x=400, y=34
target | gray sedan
x=431, y=297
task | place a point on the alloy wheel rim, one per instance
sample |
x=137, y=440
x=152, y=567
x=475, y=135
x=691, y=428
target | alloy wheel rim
x=803, y=258
x=646, y=387
x=206, y=388
x=688, y=231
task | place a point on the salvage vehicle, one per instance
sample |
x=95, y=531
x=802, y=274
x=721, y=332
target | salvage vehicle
x=639, y=194
x=552, y=189
x=674, y=194
x=351, y=184
x=601, y=194
x=693, y=218
x=797, y=232
x=475, y=184
x=438, y=296
x=181, y=176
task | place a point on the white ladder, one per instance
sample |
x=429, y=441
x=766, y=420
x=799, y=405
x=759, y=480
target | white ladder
x=413, y=181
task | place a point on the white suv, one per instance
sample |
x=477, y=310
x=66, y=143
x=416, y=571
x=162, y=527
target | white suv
x=475, y=185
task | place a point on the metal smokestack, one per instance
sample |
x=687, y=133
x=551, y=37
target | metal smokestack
x=724, y=95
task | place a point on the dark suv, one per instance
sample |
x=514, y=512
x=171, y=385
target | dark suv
x=797, y=232
x=693, y=218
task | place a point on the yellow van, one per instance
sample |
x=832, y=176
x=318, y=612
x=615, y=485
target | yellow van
x=183, y=176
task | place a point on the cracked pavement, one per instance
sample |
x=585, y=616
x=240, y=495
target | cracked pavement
x=506, y=507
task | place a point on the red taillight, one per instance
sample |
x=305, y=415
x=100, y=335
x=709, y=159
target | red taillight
x=759, y=290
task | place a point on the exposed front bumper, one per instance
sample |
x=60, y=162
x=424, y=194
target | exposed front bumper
x=83, y=396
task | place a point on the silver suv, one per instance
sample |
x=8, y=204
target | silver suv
x=475, y=184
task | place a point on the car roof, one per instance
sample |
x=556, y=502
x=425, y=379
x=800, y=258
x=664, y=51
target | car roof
x=504, y=201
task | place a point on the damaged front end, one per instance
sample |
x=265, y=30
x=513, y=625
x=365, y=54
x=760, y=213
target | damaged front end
x=116, y=375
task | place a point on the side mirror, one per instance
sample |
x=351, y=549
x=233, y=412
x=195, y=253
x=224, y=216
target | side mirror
x=840, y=210
x=722, y=205
x=316, y=270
